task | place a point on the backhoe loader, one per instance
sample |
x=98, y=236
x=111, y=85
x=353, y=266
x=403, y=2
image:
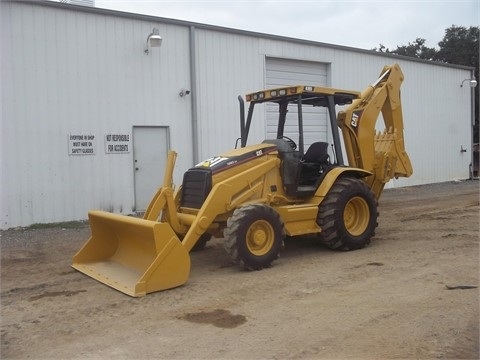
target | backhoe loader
x=255, y=195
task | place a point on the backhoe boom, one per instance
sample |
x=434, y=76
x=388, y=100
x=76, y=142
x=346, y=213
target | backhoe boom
x=383, y=154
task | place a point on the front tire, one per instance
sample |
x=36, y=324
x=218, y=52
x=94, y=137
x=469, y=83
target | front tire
x=348, y=215
x=254, y=236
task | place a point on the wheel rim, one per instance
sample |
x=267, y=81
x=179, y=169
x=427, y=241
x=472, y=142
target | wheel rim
x=356, y=216
x=260, y=237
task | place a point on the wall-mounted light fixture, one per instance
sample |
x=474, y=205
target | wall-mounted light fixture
x=471, y=82
x=153, y=40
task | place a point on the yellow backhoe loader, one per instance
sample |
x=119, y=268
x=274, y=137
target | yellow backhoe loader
x=255, y=195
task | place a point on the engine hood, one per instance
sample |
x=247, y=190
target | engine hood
x=236, y=157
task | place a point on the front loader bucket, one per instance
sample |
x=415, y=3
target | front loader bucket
x=133, y=255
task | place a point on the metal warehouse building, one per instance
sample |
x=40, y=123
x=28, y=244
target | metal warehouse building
x=89, y=111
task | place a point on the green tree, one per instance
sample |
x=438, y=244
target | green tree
x=416, y=49
x=459, y=46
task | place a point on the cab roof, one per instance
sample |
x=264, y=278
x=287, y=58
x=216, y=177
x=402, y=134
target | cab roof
x=310, y=95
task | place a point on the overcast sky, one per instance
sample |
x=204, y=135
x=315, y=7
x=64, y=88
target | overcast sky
x=356, y=23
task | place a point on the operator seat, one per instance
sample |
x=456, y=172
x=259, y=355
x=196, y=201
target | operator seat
x=317, y=153
x=313, y=164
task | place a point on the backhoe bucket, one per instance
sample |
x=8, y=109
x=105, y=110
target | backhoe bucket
x=133, y=255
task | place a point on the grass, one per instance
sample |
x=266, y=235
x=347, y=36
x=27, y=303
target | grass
x=63, y=225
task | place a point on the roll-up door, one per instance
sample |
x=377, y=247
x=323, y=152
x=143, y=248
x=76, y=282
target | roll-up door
x=284, y=72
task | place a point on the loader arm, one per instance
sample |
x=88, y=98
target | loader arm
x=384, y=153
x=160, y=199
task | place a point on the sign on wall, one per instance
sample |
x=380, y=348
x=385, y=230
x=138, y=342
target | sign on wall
x=81, y=144
x=117, y=143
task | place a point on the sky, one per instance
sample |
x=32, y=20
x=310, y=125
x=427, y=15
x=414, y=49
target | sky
x=361, y=24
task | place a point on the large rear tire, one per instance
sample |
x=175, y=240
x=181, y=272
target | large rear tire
x=348, y=215
x=254, y=236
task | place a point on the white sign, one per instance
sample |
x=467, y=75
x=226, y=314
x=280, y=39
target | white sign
x=81, y=144
x=117, y=143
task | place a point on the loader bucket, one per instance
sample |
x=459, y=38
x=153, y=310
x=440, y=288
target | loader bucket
x=133, y=255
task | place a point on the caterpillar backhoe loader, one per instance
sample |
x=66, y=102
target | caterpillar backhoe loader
x=255, y=195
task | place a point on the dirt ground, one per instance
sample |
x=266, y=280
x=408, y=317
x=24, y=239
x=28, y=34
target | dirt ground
x=387, y=301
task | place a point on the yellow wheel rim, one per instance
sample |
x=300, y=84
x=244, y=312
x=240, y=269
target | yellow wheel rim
x=260, y=237
x=356, y=216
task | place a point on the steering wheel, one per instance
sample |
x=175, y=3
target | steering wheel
x=290, y=142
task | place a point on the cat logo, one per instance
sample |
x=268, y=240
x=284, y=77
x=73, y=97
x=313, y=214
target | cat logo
x=354, y=121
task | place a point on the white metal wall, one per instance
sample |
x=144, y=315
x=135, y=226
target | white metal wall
x=67, y=71
x=436, y=112
x=436, y=109
x=227, y=65
x=71, y=72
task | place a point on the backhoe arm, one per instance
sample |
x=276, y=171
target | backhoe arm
x=383, y=154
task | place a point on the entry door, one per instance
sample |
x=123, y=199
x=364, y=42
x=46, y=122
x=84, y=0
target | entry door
x=150, y=149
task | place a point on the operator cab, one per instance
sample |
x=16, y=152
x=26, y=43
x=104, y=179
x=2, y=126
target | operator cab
x=302, y=171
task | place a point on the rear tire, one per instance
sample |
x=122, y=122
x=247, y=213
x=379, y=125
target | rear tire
x=254, y=236
x=348, y=215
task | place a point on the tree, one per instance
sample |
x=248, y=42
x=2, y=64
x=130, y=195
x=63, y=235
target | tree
x=459, y=46
x=416, y=49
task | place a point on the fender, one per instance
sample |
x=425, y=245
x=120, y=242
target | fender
x=334, y=174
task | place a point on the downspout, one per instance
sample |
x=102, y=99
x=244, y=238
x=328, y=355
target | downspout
x=472, y=124
x=193, y=86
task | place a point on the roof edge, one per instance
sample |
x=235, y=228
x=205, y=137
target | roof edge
x=170, y=21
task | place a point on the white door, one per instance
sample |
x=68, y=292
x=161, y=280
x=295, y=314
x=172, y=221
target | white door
x=150, y=149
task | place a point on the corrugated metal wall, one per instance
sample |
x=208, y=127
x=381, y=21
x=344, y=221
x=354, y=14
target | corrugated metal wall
x=72, y=71
x=227, y=65
x=69, y=72
x=436, y=113
x=436, y=109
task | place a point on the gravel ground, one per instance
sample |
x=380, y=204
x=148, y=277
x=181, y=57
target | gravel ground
x=410, y=294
